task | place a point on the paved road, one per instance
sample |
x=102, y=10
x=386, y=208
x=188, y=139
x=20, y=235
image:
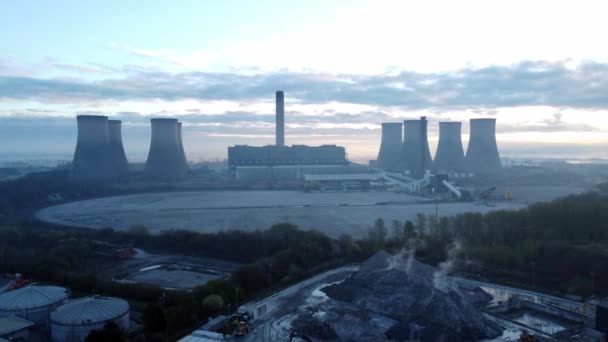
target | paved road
x=278, y=310
x=569, y=305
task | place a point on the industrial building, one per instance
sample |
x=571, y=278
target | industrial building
x=166, y=158
x=482, y=154
x=33, y=303
x=74, y=320
x=416, y=150
x=119, y=163
x=99, y=151
x=279, y=162
x=13, y=328
x=244, y=155
x=449, y=155
x=391, y=156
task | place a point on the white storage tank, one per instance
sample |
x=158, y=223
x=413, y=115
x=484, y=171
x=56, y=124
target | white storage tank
x=74, y=320
x=33, y=303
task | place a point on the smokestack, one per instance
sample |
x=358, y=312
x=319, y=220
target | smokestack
x=118, y=159
x=181, y=147
x=91, y=158
x=417, y=154
x=280, y=118
x=482, y=153
x=449, y=155
x=165, y=160
x=390, y=156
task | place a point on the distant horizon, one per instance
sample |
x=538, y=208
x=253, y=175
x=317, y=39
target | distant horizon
x=216, y=66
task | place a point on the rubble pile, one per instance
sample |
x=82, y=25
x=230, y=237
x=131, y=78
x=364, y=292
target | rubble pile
x=396, y=298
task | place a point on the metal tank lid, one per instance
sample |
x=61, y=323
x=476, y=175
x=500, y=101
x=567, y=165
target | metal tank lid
x=89, y=310
x=32, y=296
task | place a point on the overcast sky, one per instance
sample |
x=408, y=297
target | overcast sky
x=539, y=67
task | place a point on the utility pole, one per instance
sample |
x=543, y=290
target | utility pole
x=533, y=263
x=270, y=273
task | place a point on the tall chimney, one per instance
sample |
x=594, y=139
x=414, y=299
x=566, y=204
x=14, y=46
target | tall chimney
x=91, y=158
x=280, y=118
x=449, y=155
x=417, y=154
x=165, y=161
x=390, y=156
x=482, y=153
x=118, y=159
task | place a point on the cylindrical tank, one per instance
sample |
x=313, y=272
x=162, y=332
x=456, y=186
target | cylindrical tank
x=33, y=303
x=390, y=156
x=449, y=155
x=417, y=154
x=74, y=320
x=91, y=158
x=120, y=165
x=164, y=159
x=482, y=153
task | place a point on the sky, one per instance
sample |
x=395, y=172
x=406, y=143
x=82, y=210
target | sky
x=539, y=67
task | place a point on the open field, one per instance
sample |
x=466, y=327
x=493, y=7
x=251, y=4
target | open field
x=208, y=211
x=166, y=277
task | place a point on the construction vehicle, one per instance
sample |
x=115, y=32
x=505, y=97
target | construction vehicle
x=527, y=337
x=240, y=322
x=123, y=252
x=20, y=281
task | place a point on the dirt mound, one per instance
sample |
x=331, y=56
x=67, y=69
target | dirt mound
x=399, y=298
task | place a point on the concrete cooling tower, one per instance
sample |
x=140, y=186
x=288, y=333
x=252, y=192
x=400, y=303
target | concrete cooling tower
x=118, y=159
x=165, y=158
x=449, y=155
x=390, y=156
x=92, y=156
x=181, y=146
x=417, y=155
x=482, y=153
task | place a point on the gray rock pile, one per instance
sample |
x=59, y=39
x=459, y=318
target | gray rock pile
x=396, y=298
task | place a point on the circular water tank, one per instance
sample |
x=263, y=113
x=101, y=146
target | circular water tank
x=74, y=320
x=33, y=303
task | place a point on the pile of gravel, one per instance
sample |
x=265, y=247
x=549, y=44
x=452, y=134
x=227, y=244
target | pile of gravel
x=398, y=298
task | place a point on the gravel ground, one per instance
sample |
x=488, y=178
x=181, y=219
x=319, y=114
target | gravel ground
x=333, y=212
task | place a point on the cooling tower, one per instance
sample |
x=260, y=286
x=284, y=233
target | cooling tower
x=417, y=155
x=449, y=155
x=280, y=119
x=92, y=157
x=118, y=159
x=181, y=147
x=482, y=153
x=165, y=161
x=390, y=156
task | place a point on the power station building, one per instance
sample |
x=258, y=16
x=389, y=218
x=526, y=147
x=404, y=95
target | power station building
x=166, y=158
x=99, y=151
x=280, y=162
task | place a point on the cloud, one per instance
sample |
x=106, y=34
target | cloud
x=523, y=84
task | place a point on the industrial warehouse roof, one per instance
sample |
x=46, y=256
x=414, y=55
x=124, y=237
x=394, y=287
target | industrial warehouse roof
x=12, y=324
x=30, y=297
x=89, y=310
